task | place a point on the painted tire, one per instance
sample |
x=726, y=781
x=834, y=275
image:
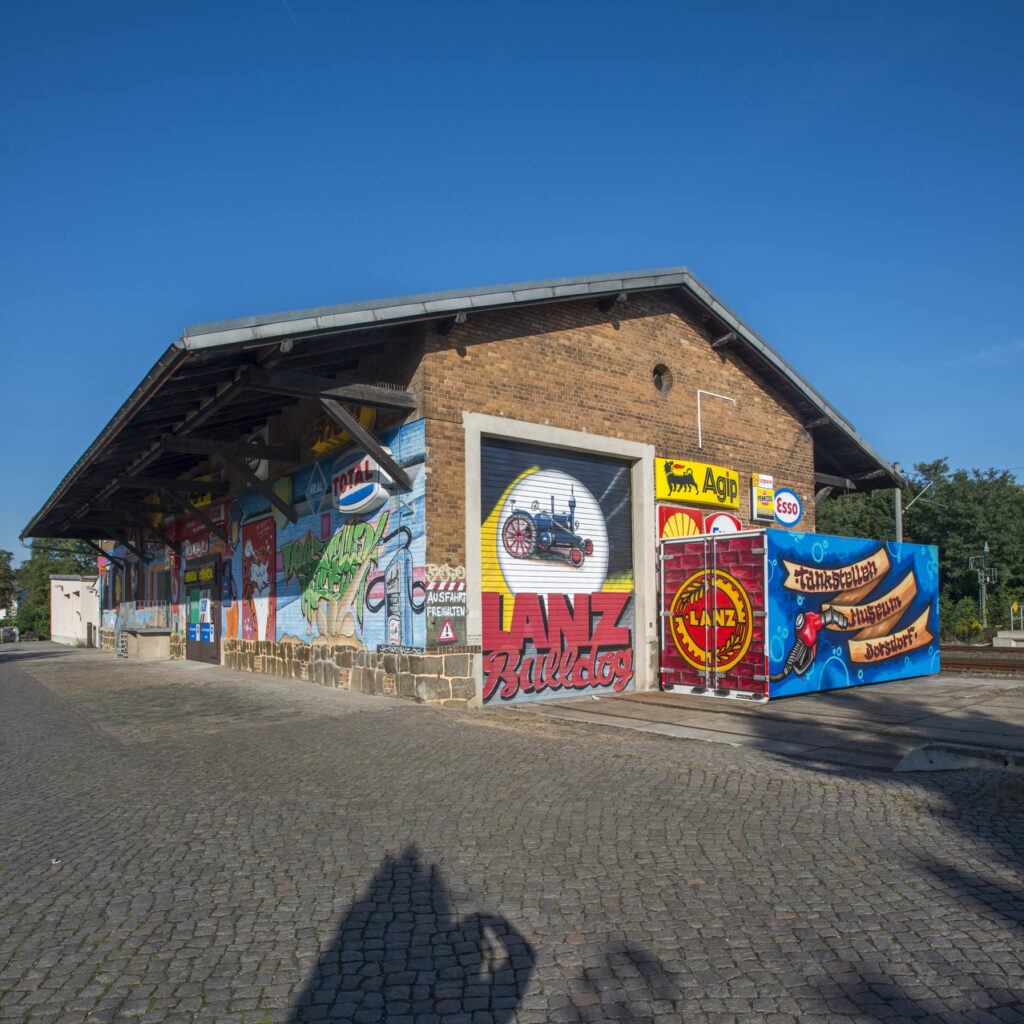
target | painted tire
x=519, y=535
x=575, y=557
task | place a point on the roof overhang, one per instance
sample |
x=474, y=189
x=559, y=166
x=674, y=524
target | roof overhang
x=200, y=382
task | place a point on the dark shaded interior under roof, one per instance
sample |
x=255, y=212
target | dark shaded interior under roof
x=203, y=387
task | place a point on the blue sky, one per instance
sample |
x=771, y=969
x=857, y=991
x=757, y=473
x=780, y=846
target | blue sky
x=845, y=176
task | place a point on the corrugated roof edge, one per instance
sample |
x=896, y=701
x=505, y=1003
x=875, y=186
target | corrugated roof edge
x=437, y=304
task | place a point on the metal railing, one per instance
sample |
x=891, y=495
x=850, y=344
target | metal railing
x=145, y=615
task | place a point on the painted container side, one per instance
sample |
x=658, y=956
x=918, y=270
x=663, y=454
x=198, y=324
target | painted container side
x=847, y=612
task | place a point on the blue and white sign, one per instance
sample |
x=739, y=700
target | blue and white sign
x=788, y=509
x=359, y=484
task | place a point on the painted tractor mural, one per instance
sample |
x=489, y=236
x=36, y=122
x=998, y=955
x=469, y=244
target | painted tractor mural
x=537, y=534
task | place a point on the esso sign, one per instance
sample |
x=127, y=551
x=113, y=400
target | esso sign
x=788, y=509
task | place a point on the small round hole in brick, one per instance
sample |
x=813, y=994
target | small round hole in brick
x=662, y=377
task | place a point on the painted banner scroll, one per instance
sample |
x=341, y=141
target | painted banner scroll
x=845, y=611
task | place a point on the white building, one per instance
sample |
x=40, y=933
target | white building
x=75, y=610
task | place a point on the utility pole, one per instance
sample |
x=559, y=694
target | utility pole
x=898, y=502
x=986, y=575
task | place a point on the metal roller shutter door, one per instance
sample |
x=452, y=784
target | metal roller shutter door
x=556, y=573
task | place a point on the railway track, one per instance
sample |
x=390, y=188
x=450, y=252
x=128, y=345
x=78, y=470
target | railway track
x=964, y=658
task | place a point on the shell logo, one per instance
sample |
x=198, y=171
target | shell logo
x=680, y=525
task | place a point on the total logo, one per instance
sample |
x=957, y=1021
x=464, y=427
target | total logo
x=358, y=483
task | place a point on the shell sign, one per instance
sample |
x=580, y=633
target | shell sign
x=696, y=482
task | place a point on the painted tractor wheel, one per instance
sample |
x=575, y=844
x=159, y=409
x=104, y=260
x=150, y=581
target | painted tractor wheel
x=575, y=557
x=519, y=535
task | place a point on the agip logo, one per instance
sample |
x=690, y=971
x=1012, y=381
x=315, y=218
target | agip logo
x=711, y=621
x=696, y=482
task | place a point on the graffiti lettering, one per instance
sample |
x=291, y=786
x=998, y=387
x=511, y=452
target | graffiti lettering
x=444, y=573
x=325, y=571
x=809, y=580
x=567, y=669
x=569, y=650
x=909, y=638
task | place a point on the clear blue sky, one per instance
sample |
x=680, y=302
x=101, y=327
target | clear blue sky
x=845, y=176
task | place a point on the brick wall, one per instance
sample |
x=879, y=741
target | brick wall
x=572, y=366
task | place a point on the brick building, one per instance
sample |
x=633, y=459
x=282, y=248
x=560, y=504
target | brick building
x=450, y=496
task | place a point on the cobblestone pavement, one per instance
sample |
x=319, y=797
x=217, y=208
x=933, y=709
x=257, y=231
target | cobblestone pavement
x=181, y=843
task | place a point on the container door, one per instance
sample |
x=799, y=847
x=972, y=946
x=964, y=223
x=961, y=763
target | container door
x=713, y=614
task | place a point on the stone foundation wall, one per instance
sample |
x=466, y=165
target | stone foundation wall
x=177, y=647
x=107, y=639
x=435, y=678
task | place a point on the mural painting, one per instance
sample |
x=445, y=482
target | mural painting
x=258, y=557
x=713, y=613
x=557, y=573
x=845, y=611
x=350, y=569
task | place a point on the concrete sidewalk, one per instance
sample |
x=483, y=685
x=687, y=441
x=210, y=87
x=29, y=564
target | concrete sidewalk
x=868, y=726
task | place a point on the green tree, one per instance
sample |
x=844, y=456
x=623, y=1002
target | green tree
x=958, y=512
x=48, y=558
x=8, y=582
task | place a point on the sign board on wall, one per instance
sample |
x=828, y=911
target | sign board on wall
x=446, y=614
x=697, y=482
x=358, y=483
x=788, y=508
x=721, y=522
x=762, y=497
x=762, y=504
x=677, y=521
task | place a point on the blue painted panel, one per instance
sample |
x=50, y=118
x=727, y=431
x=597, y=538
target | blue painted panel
x=845, y=612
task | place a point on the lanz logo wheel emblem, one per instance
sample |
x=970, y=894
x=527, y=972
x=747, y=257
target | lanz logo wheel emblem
x=711, y=622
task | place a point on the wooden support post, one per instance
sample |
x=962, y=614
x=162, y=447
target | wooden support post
x=341, y=416
x=192, y=510
x=260, y=485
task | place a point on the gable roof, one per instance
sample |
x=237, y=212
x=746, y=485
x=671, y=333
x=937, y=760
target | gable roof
x=187, y=384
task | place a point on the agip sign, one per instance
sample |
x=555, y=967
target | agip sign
x=697, y=482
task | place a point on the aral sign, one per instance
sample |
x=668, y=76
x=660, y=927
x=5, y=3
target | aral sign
x=696, y=482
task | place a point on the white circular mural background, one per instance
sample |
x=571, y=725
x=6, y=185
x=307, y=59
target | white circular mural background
x=550, y=572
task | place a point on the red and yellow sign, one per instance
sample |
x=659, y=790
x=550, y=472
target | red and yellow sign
x=676, y=521
x=711, y=620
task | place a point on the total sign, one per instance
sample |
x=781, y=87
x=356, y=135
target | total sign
x=788, y=509
x=358, y=483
